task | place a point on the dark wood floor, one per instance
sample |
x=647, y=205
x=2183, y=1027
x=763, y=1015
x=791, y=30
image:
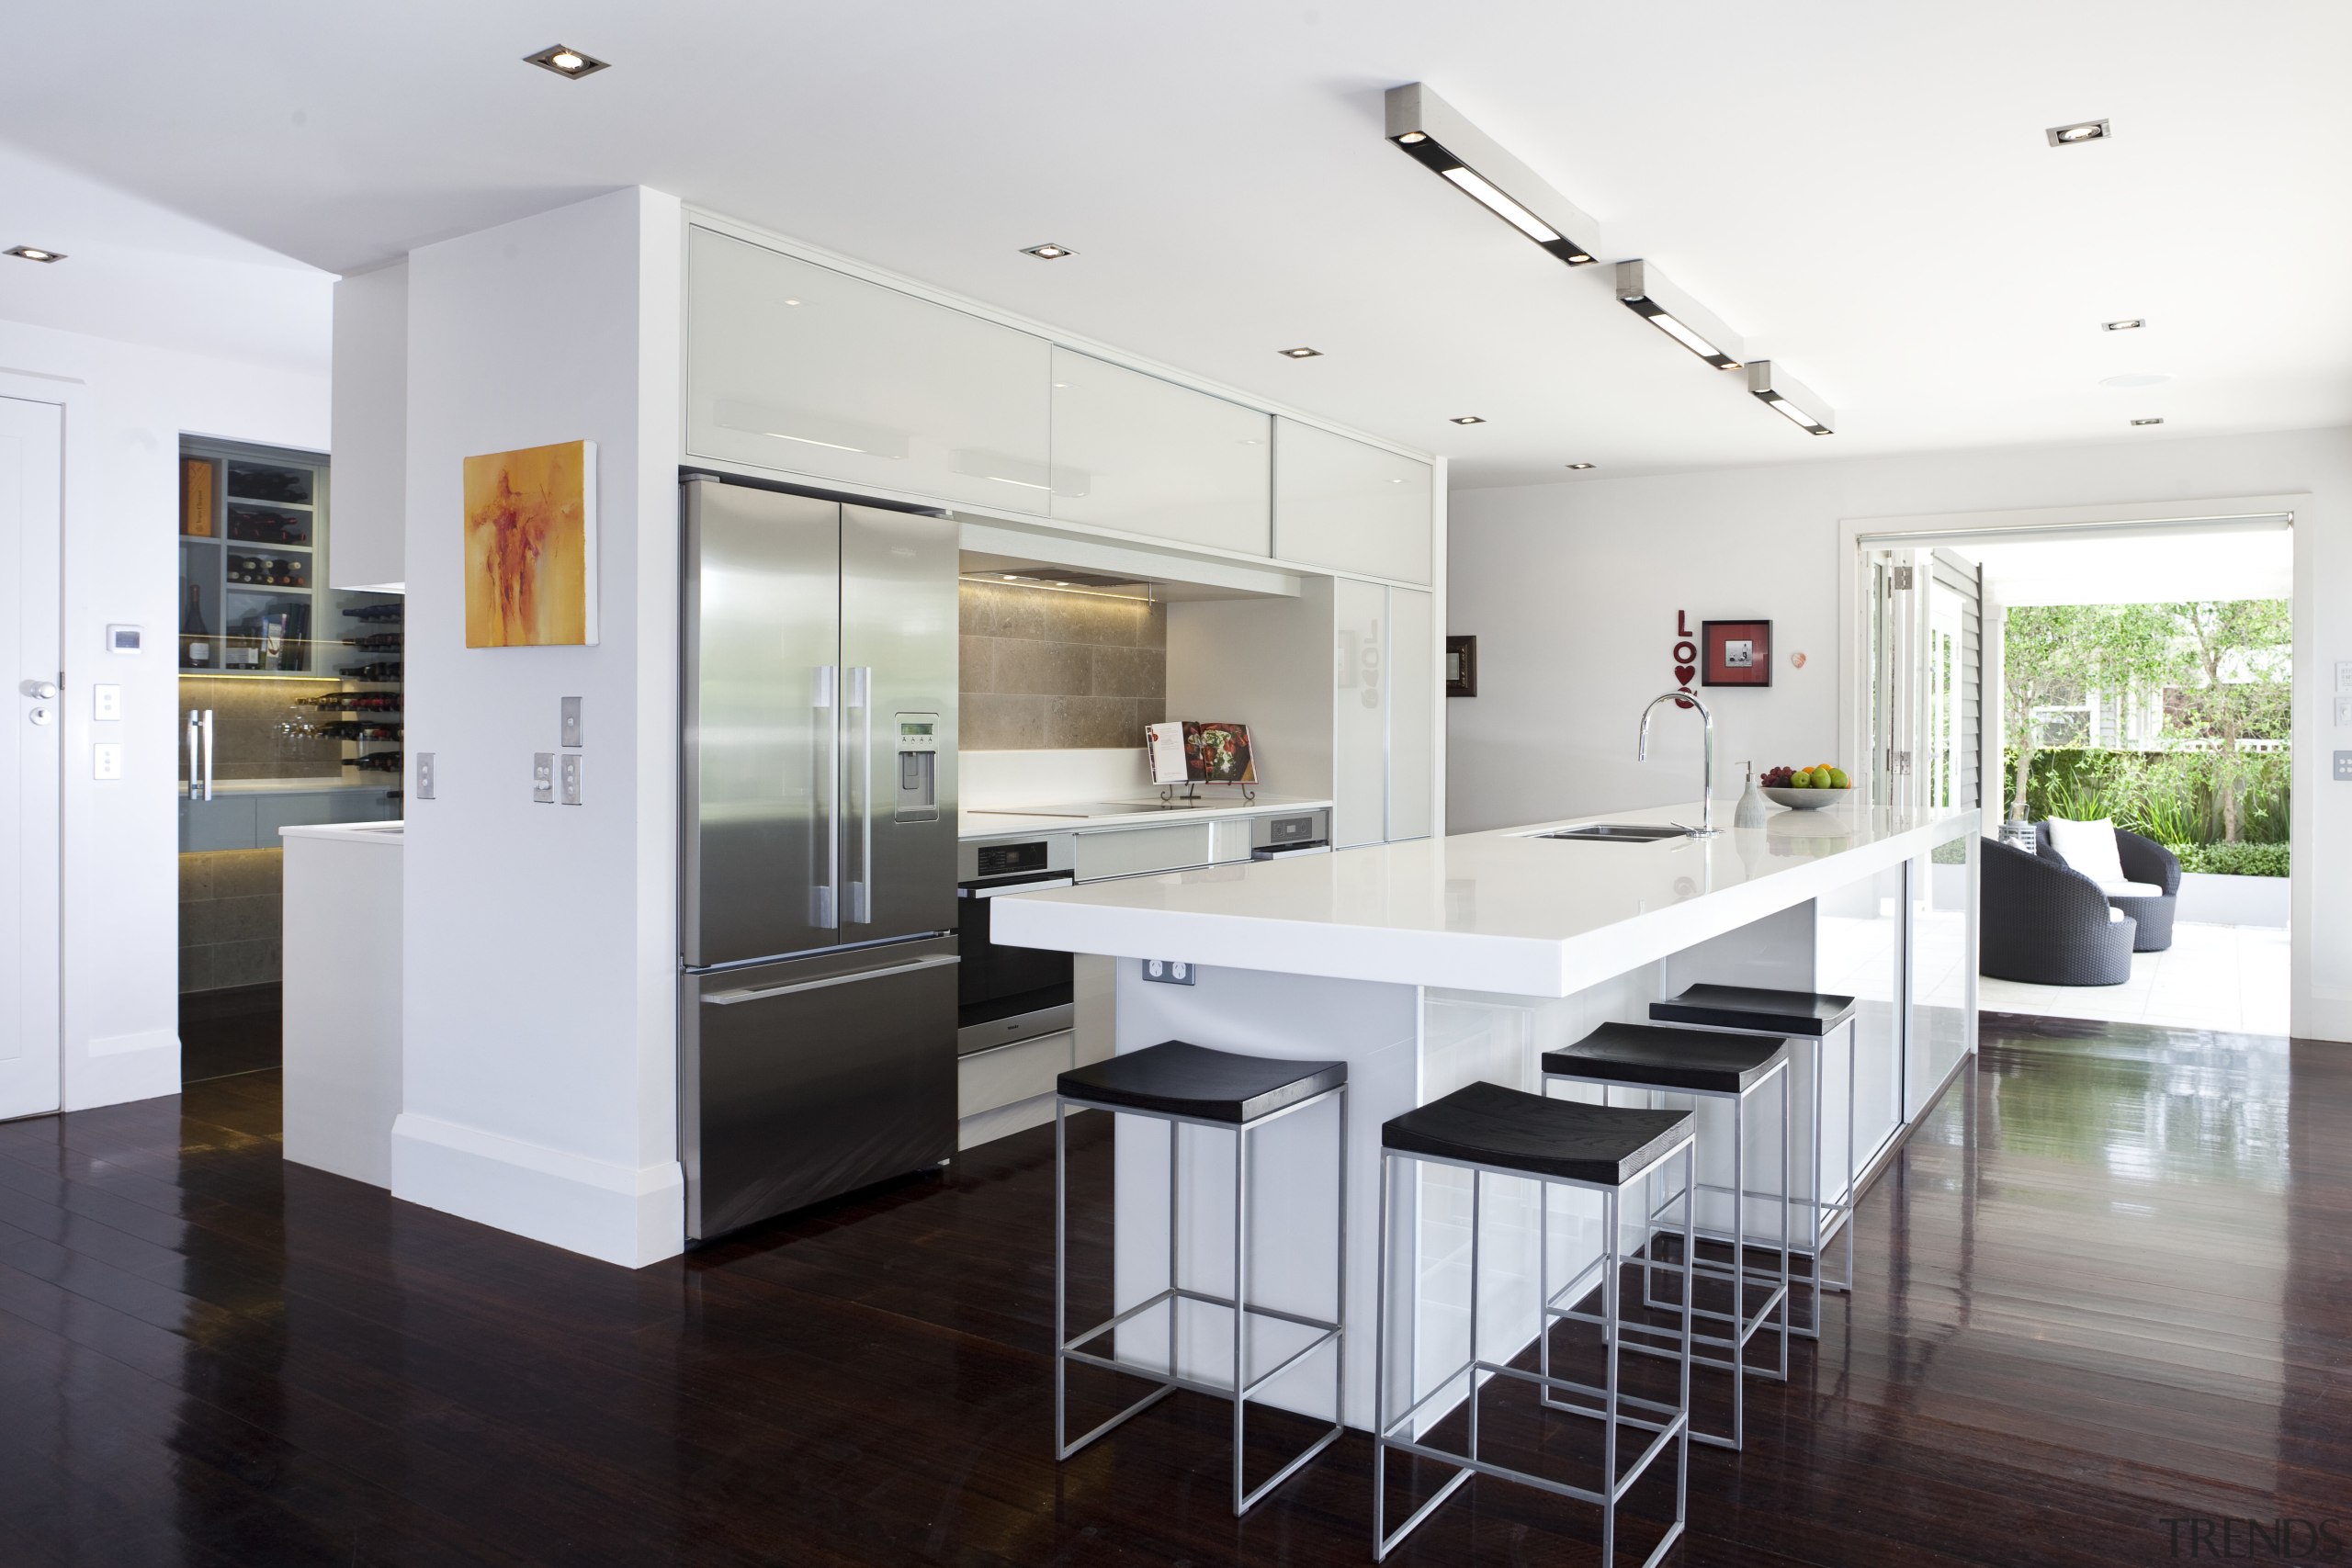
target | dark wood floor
x=2109, y=1284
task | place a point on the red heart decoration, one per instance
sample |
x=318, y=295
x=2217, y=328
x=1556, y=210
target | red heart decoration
x=1682, y=674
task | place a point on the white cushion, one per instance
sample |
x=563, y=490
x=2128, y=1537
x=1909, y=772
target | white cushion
x=2089, y=848
x=2114, y=915
x=2131, y=890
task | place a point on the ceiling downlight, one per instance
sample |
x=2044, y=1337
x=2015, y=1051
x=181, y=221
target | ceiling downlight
x=2080, y=133
x=1047, y=252
x=1302, y=352
x=566, y=61
x=33, y=254
x=2128, y=324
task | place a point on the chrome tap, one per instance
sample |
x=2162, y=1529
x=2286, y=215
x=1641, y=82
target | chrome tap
x=1706, y=828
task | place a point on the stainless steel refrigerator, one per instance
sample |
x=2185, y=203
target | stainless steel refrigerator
x=818, y=1036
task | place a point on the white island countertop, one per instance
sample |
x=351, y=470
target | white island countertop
x=986, y=822
x=1503, y=911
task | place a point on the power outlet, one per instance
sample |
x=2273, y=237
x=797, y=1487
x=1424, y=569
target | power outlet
x=105, y=759
x=568, y=771
x=424, y=776
x=2344, y=713
x=543, y=778
x=1171, y=971
x=106, y=703
x=2344, y=767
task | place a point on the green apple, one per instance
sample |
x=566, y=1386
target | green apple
x=1801, y=780
x=1838, y=779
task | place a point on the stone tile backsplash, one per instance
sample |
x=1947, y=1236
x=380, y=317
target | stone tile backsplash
x=1045, y=669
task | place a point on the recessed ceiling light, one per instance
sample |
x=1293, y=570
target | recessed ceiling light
x=2079, y=132
x=566, y=61
x=2158, y=420
x=2128, y=324
x=1433, y=134
x=1047, y=252
x=1579, y=467
x=1302, y=353
x=1468, y=419
x=34, y=253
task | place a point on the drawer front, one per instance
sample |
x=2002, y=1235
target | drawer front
x=1230, y=839
x=1140, y=850
x=1012, y=1074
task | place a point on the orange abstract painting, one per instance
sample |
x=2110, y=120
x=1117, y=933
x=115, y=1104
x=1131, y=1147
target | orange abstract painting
x=531, y=546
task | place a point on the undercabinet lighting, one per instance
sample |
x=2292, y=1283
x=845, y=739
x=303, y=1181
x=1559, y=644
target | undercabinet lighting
x=1056, y=585
x=566, y=61
x=1578, y=468
x=2129, y=324
x=2158, y=420
x=34, y=253
x=1047, y=252
x=1469, y=418
x=1432, y=132
x=1301, y=353
x=1789, y=399
x=813, y=441
x=2082, y=130
x=1643, y=290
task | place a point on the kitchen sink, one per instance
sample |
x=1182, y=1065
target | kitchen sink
x=1618, y=833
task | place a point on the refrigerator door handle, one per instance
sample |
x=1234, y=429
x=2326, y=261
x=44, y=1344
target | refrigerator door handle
x=824, y=897
x=206, y=727
x=195, y=757
x=859, y=696
x=762, y=993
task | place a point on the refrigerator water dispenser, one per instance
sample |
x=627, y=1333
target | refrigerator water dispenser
x=918, y=768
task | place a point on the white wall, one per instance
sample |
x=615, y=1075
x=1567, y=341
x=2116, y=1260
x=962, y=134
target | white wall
x=127, y=406
x=371, y=429
x=1572, y=589
x=541, y=1001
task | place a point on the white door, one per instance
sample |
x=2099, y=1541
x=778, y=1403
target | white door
x=31, y=586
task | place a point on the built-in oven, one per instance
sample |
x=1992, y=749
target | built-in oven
x=1283, y=834
x=1006, y=995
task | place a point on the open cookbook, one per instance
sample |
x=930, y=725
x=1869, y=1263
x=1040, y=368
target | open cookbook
x=1199, y=751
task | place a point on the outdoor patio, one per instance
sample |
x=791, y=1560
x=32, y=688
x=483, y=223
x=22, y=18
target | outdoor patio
x=2224, y=977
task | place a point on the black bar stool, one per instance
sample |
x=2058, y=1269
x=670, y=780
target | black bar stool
x=1704, y=1065
x=1815, y=1020
x=1489, y=1130
x=1178, y=1083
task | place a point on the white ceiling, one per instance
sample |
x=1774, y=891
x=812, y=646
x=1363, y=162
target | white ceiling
x=139, y=271
x=1860, y=188
x=2161, y=568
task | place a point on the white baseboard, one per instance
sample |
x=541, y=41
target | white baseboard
x=624, y=1215
x=116, y=1069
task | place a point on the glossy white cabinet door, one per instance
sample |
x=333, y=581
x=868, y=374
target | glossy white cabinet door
x=796, y=367
x=1360, y=742
x=1412, y=714
x=1134, y=451
x=1343, y=503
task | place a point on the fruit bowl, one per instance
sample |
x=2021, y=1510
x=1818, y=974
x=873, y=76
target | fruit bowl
x=1806, y=799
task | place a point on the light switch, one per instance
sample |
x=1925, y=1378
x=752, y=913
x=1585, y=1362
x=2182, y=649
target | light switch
x=2343, y=675
x=2344, y=713
x=570, y=767
x=105, y=759
x=106, y=703
x=543, y=778
x=424, y=776
x=571, y=728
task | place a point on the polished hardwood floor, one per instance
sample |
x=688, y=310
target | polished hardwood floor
x=2105, y=1286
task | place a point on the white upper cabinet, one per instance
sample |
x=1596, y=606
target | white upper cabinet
x=796, y=367
x=1136, y=453
x=1350, y=506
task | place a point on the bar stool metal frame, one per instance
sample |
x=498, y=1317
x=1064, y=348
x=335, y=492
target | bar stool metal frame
x=1675, y=1421
x=1826, y=1211
x=1331, y=1333
x=1744, y=1325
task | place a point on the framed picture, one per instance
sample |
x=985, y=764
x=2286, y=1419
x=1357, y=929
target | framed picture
x=1462, y=667
x=1735, y=653
x=530, y=532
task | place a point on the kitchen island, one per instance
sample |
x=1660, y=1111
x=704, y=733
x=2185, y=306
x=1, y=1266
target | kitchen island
x=1428, y=964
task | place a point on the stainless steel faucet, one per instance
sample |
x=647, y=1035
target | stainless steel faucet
x=1706, y=828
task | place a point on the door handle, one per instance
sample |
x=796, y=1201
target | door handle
x=208, y=747
x=762, y=993
x=824, y=911
x=41, y=691
x=858, y=694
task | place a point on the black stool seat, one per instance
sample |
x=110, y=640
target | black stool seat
x=1653, y=1057
x=1744, y=1007
x=1177, y=1080
x=1485, y=1123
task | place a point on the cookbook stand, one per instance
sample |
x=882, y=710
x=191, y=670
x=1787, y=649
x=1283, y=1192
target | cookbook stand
x=1168, y=795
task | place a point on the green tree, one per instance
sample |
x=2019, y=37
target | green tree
x=2240, y=654
x=2052, y=653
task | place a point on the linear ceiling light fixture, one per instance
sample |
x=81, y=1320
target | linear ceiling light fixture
x=34, y=253
x=565, y=61
x=1436, y=136
x=1649, y=295
x=1788, y=398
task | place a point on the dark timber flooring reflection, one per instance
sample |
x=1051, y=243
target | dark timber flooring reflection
x=2108, y=1284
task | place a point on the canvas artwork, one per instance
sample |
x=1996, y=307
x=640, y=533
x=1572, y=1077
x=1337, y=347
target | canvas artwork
x=531, y=546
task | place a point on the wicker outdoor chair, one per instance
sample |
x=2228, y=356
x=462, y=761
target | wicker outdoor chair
x=2144, y=859
x=2047, y=924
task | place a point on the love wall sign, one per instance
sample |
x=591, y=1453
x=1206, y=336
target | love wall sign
x=1686, y=654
